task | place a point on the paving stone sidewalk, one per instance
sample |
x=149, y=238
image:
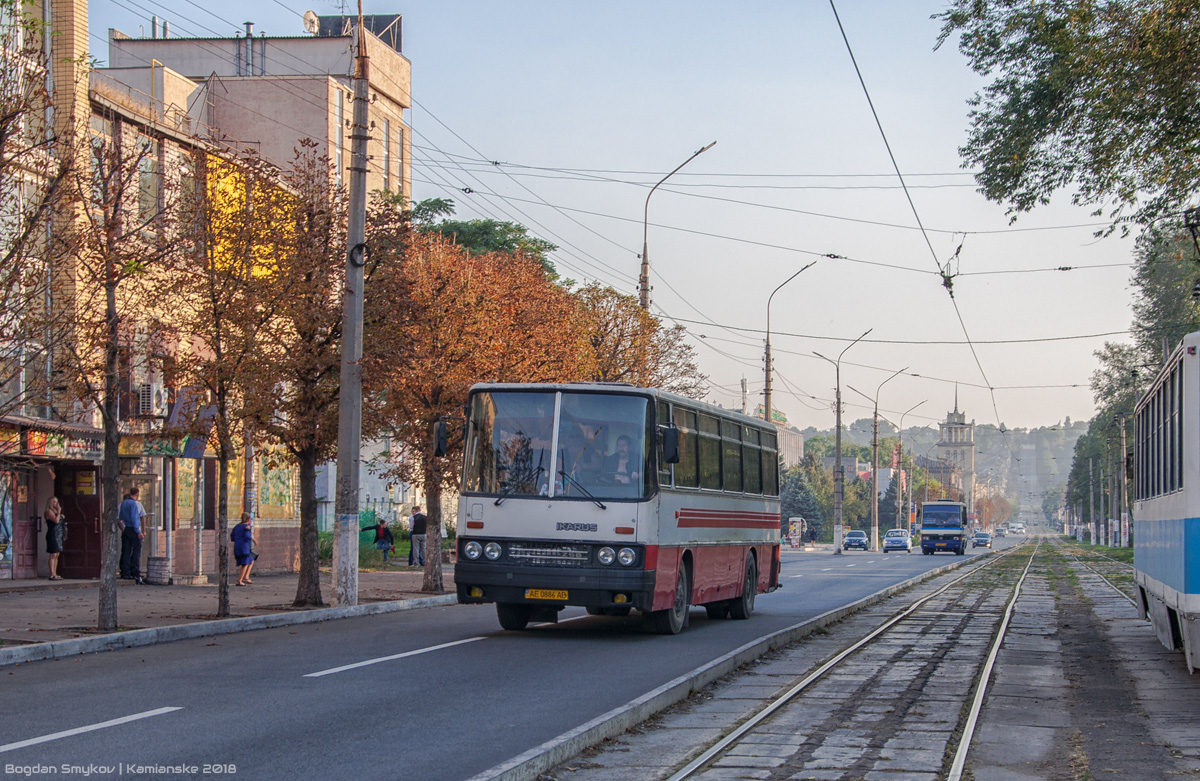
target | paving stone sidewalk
x=40, y=611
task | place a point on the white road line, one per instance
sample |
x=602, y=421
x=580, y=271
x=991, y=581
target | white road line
x=562, y=620
x=795, y=576
x=851, y=565
x=80, y=730
x=827, y=569
x=345, y=667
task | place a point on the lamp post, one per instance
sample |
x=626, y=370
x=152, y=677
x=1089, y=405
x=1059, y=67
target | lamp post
x=837, y=446
x=644, y=277
x=875, y=458
x=767, y=391
x=900, y=503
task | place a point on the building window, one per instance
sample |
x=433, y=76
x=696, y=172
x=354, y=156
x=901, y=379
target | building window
x=400, y=159
x=148, y=184
x=340, y=113
x=387, y=154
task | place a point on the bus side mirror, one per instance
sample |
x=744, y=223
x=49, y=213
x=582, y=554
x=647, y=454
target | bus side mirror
x=670, y=443
x=439, y=438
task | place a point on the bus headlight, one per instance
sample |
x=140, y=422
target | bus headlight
x=472, y=550
x=606, y=556
x=627, y=556
x=492, y=550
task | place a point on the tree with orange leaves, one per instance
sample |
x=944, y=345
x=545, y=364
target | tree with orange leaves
x=470, y=318
x=628, y=344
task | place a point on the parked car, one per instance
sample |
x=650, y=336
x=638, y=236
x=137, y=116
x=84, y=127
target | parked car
x=981, y=540
x=855, y=539
x=897, y=539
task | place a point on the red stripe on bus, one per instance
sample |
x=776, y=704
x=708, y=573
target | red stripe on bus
x=695, y=518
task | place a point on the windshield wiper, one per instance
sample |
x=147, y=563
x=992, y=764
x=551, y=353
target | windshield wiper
x=585, y=491
x=510, y=488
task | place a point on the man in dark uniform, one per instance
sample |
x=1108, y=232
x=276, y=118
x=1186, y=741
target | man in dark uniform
x=416, y=527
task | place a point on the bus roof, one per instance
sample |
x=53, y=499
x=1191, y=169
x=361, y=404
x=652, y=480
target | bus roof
x=621, y=388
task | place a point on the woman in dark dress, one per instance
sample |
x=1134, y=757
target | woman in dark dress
x=243, y=549
x=54, y=534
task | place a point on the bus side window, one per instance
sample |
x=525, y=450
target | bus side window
x=662, y=418
x=686, y=471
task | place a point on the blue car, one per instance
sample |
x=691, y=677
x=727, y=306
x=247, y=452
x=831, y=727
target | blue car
x=855, y=539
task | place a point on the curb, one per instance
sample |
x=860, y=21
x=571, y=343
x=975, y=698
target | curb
x=58, y=649
x=529, y=765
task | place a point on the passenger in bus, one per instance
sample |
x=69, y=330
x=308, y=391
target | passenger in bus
x=621, y=466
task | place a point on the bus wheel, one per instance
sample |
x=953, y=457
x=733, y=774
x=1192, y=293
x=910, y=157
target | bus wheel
x=743, y=607
x=672, y=620
x=512, y=617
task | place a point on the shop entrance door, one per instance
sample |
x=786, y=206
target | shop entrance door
x=25, y=549
x=78, y=490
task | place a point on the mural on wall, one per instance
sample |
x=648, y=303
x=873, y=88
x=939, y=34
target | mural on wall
x=275, y=481
x=233, y=502
x=7, y=480
x=185, y=492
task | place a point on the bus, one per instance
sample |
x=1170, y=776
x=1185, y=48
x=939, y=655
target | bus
x=614, y=498
x=943, y=527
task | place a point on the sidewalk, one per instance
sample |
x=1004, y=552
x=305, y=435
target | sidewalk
x=41, y=611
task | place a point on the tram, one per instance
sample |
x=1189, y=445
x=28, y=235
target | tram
x=614, y=498
x=1167, y=501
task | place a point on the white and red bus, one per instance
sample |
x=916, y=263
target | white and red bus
x=614, y=498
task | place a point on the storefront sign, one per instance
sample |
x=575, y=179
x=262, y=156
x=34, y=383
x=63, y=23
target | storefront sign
x=10, y=440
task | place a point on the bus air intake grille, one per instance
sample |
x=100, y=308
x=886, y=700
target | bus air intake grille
x=548, y=554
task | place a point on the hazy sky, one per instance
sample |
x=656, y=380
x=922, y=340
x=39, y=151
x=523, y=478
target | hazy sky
x=586, y=105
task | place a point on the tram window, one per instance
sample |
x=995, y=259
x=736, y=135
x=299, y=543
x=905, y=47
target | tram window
x=686, y=471
x=710, y=453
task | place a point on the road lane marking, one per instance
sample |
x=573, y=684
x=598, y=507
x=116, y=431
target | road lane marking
x=90, y=728
x=851, y=565
x=356, y=665
x=794, y=576
x=827, y=569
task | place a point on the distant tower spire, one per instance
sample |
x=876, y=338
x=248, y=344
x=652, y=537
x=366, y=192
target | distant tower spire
x=956, y=397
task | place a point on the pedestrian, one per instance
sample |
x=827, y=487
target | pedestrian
x=416, y=526
x=243, y=549
x=54, y=534
x=384, y=540
x=129, y=518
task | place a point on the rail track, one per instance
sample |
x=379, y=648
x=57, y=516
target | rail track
x=905, y=698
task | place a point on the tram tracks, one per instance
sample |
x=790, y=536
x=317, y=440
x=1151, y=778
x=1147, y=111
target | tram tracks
x=891, y=702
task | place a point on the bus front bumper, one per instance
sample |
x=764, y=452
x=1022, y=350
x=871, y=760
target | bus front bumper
x=480, y=582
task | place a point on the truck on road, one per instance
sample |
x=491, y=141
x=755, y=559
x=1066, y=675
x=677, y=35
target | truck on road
x=943, y=527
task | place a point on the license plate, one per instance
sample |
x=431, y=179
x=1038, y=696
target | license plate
x=543, y=593
x=941, y=545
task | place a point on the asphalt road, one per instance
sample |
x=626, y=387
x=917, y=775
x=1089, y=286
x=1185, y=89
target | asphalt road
x=444, y=693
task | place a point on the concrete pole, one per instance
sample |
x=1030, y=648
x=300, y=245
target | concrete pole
x=838, y=481
x=875, y=482
x=644, y=275
x=1124, y=490
x=1092, y=499
x=345, y=538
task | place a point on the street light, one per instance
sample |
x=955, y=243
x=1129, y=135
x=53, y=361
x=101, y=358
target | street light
x=875, y=458
x=644, y=277
x=900, y=503
x=837, y=446
x=767, y=392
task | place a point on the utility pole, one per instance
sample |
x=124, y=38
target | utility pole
x=743, y=395
x=644, y=276
x=345, y=543
x=875, y=457
x=1092, y=500
x=767, y=366
x=838, y=480
x=1124, y=488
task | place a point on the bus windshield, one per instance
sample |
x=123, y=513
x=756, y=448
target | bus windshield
x=602, y=445
x=942, y=517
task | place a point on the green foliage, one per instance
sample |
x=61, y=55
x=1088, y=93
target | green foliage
x=1101, y=94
